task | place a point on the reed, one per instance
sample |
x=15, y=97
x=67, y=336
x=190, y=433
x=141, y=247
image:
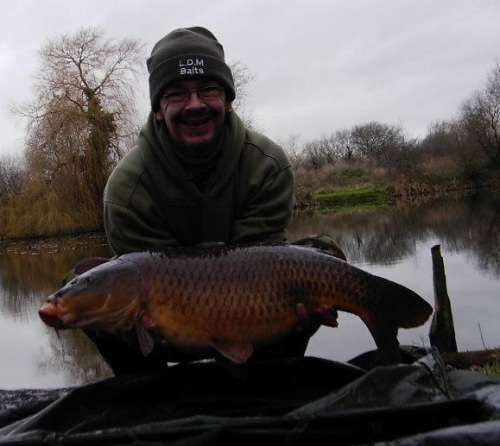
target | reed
x=45, y=215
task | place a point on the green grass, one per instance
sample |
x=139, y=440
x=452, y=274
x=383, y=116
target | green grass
x=492, y=369
x=372, y=196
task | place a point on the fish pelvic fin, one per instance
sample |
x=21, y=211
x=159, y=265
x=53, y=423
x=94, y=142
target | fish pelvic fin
x=238, y=353
x=146, y=341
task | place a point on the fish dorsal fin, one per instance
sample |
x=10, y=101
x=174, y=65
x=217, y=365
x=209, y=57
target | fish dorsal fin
x=238, y=353
x=146, y=341
x=83, y=266
x=91, y=262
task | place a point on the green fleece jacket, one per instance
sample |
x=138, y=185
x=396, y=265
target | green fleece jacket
x=151, y=201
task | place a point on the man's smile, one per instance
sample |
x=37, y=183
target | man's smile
x=198, y=120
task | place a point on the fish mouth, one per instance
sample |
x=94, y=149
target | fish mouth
x=59, y=314
x=50, y=315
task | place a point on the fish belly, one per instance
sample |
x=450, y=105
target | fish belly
x=222, y=320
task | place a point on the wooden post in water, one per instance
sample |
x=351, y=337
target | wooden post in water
x=442, y=331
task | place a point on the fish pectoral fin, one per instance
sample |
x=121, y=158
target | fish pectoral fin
x=146, y=341
x=238, y=353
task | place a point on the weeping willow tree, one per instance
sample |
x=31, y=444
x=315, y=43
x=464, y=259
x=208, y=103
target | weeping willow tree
x=80, y=121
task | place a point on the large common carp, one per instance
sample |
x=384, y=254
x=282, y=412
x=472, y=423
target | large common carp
x=231, y=300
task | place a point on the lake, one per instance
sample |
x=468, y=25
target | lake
x=394, y=243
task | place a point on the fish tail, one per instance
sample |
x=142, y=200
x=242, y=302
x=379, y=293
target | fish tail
x=393, y=306
x=405, y=307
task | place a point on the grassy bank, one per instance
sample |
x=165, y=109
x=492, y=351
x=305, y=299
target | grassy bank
x=357, y=197
x=485, y=361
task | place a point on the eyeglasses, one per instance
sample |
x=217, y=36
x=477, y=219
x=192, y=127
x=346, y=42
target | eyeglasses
x=206, y=93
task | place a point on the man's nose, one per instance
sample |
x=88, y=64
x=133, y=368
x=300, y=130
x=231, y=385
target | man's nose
x=194, y=101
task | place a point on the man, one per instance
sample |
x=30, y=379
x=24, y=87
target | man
x=197, y=175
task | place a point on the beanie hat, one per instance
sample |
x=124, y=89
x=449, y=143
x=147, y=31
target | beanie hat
x=184, y=54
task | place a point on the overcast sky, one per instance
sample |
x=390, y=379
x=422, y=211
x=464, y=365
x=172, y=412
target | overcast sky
x=319, y=65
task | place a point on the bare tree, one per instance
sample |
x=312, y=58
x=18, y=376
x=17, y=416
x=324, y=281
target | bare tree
x=242, y=77
x=82, y=115
x=378, y=142
x=481, y=117
x=344, y=145
x=293, y=149
x=11, y=175
x=441, y=139
x=320, y=152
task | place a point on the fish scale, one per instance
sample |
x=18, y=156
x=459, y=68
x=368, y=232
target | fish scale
x=233, y=300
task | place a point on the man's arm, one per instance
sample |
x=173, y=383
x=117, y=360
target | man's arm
x=127, y=232
x=267, y=212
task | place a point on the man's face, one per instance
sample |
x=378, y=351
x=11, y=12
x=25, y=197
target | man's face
x=196, y=121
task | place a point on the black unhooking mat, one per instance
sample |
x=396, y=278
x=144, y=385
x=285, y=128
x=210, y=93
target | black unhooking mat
x=306, y=401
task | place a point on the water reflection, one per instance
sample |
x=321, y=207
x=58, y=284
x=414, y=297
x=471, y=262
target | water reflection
x=394, y=243
x=387, y=236
x=32, y=354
